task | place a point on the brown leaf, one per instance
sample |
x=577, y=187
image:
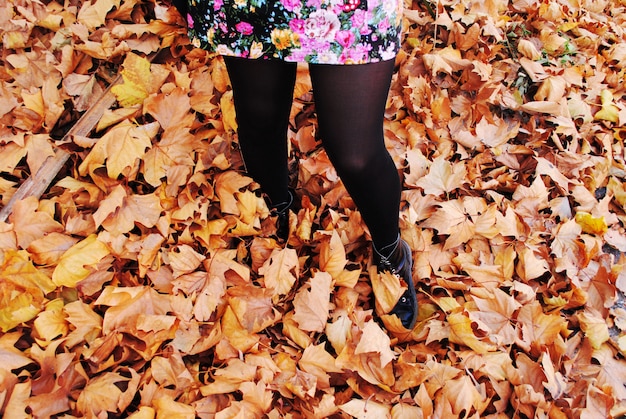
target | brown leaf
x=312, y=303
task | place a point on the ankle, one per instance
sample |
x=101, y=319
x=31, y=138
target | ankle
x=386, y=252
x=284, y=205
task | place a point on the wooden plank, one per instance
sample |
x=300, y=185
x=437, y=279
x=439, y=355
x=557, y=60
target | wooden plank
x=37, y=184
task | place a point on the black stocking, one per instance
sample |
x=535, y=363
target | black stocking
x=350, y=104
x=263, y=95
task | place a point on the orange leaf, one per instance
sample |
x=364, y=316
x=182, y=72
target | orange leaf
x=253, y=307
x=461, y=332
x=538, y=330
x=332, y=255
x=443, y=177
x=311, y=306
x=280, y=270
x=31, y=223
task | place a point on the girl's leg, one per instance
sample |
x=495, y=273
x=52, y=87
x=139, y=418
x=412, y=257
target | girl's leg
x=263, y=95
x=350, y=102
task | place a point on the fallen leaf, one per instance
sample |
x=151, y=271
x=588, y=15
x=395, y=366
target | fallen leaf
x=312, y=303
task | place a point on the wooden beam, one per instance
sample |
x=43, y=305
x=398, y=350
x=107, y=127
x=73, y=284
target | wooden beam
x=37, y=184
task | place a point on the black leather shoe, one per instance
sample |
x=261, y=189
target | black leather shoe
x=281, y=212
x=400, y=263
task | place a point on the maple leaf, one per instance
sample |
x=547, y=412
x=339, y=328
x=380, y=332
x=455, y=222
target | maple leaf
x=50, y=323
x=332, y=255
x=130, y=305
x=594, y=325
x=498, y=133
x=93, y=13
x=311, y=306
x=461, y=332
x=31, y=223
x=253, y=307
x=227, y=107
x=537, y=330
x=447, y=60
x=280, y=270
x=612, y=371
x=229, y=379
x=443, y=177
x=140, y=80
x=227, y=184
x=120, y=149
x=104, y=393
x=86, y=324
x=119, y=212
x=495, y=314
x=366, y=409
x=166, y=407
x=387, y=290
x=48, y=249
x=10, y=357
x=463, y=394
x=317, y=361
x=184, y=259
x=555, y=382
x=22, y=294
x=609, y=111
x=375, y=340
x=455, y=218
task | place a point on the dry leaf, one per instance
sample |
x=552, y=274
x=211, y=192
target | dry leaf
x=312, y=303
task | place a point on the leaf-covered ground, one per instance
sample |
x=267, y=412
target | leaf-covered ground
x=145, y=282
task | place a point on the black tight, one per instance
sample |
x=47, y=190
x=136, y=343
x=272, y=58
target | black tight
x=350, y=103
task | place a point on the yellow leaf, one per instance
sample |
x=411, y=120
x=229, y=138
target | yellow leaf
x=228, y=111
x=609, y=111
x=22, y=290
x=74, y=265
x=136, y=75
x=591, y=224
x=595, y=328
x=144, y=412
x=50, y=324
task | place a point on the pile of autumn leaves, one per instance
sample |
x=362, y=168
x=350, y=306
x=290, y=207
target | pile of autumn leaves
x=146, y=283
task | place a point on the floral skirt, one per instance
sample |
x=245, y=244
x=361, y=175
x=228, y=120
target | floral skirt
x=311, y=31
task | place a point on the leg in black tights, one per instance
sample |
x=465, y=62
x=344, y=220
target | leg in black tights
x=263, y=95
x=350, y=104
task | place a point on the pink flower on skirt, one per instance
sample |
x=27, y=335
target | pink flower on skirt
x=345, y=38
x=244, y=28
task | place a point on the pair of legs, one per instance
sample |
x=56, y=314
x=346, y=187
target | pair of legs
x=350, y=104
